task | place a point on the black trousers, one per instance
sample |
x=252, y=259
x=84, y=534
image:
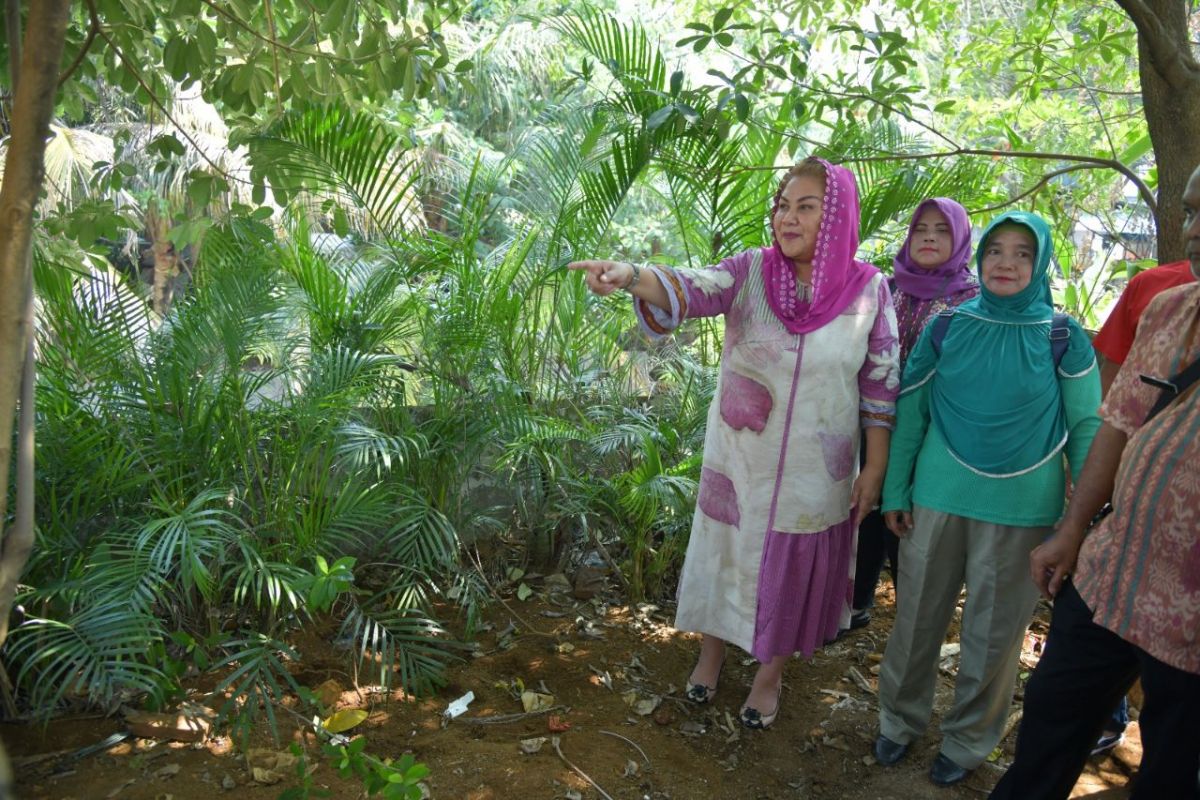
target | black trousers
x=1084, y=671
x=875, y=542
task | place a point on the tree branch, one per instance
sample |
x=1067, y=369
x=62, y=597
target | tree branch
x=161, y=107
x=1093, y=162
x=241, y=23
x=274, y=56
x=12, y=24
x=93, y=29
x=851, y=96
x=1049, y=176
x=1176, y=65
x=1110, y=163
x=275, y=43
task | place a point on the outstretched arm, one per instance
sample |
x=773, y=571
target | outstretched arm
x=606, y=277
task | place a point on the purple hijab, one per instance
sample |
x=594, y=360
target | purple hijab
x=950, y=278
x=837, y=279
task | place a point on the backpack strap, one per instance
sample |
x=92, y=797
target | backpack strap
x=1060, y=334
x=938, y=328
x=1172, y=387
x=1060, y=337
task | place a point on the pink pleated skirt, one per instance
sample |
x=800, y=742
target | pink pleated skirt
x=804, y=586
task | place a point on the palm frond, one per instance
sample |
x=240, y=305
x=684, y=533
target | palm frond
x=626, y=50
x=264, y=584
x=360, y=448
x=394, y=639
x=186, y=542
x=422, y=536
x=367, y=168
x=259, y=681
x=99, y=651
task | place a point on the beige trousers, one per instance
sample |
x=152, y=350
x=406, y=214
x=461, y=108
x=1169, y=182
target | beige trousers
x=940, y=554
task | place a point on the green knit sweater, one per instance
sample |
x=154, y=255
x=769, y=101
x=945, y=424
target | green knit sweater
x=922, y=470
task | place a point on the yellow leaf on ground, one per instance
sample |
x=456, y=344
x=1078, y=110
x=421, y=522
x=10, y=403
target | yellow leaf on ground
x=344, y=720
x=536, y=701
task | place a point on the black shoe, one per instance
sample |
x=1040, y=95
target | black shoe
x=888, y=752
x=945, y=772
x=860, y=619
x=1107, y=742
x=755, y=720
x=699, y=693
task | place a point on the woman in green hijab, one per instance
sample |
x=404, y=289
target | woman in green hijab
x=989, y=405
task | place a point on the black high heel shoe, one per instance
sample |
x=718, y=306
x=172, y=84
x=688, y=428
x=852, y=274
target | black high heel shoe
x=699, y=693
x=754, y=719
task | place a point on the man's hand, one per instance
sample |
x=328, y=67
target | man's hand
x=1054, y=559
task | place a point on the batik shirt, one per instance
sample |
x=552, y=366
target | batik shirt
x=1139, y=571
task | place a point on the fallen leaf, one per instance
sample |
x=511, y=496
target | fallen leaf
x=603, y=677
x=524, y=592
x=564, y=648
x=531, y=746
x=120, y=789
x=836, y=742
x=631, y=769
x=344, y=720
x=536, y=701
x=168, y=771
x=328, y=692
x=266, y=759
x=691, y=728
x=645, y=706
x=265, y=776
x=557, y=724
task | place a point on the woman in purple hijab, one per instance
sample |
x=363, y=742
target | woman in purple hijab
x=931, y=273
x=809, y=362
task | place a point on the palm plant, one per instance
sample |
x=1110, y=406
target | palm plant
x=255, y=433
x=317, y=431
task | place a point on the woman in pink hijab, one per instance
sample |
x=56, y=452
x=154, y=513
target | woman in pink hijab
x=809, y=363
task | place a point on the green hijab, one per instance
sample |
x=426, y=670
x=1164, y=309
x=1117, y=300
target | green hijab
x=994, y=395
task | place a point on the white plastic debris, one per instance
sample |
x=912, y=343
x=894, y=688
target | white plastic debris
x=459, y=706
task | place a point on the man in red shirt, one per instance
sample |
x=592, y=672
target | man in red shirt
x=1116, y=335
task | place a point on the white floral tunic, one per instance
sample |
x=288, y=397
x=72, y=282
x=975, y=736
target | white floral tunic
x=781, y=448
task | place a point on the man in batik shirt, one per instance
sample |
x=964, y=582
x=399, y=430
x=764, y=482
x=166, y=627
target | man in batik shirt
x=1132, y=606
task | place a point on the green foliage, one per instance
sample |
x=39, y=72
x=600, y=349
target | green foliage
x=252, y=57
x=392, y=368
x=393, y=780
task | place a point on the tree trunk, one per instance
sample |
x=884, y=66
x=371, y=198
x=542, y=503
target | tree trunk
x=1171, y=102
x=24, y=169
x=166, y=260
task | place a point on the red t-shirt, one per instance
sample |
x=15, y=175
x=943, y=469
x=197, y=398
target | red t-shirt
x=1116, y=336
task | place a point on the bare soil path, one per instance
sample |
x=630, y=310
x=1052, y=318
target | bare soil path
x=619, y=672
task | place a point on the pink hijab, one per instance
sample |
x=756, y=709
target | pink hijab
x=837, y=279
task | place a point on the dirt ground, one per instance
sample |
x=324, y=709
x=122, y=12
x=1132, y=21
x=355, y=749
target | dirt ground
x=590, y=656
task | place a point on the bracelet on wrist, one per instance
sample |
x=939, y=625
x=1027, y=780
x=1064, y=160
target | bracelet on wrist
x=635, y=277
